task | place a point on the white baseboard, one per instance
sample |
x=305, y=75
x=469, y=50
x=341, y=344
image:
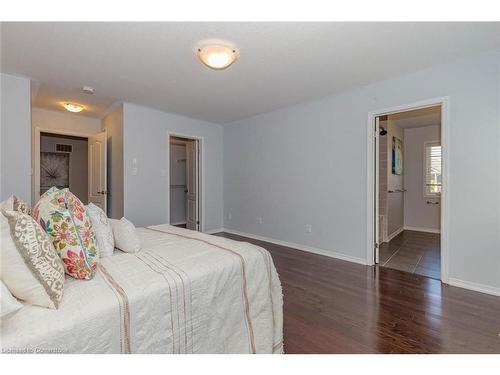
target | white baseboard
x=394, y=234
x=474, y=286
x=309, y=249
x=423, y=229
x=451, y=281
x=212, y=231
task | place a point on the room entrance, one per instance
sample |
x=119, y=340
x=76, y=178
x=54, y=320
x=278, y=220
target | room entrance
x=185, y=182
x=408, y=189
x=71, y=160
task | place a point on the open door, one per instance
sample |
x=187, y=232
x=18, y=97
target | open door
x=97, y=155
x=192, y=183
x=376, y=220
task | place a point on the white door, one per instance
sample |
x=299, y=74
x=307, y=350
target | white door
x=97, y=155
x=192, y=171
x=376, y=228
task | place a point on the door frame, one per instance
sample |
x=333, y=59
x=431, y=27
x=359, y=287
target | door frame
x=35, y=191
x=372, y=176
x=201, y=175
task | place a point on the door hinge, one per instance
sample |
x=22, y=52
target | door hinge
x=198, y=222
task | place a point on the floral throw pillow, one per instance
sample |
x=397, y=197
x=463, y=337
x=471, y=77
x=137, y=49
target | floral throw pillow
x=62, y=215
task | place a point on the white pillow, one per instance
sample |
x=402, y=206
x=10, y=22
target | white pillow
x=126, y=238
x=102, y=229
x=8, y=303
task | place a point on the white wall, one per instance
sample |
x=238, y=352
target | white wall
x=78, y=162
x=113, y=124
x=145, y=138
x=15, y=133
x=178, y=199
x=419, y=214
x=395, y=200
x=65, y=121
x=307, y=164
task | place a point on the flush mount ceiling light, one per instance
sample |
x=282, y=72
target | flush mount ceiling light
x=72, y=107
x=217, y=56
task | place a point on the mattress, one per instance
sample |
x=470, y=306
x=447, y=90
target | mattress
x=184, y=292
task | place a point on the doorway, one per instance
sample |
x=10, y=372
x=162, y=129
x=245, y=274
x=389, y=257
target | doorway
x=407, y=186
x=185, y=182
x=71, y=160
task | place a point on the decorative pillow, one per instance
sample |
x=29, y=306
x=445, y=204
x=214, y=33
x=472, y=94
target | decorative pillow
x=102, y=229
x=8, y=303
x=14, y=203
x=7, y=204
x=126, y=238
x=31, y=268
x=21, y=206
x=63, y=217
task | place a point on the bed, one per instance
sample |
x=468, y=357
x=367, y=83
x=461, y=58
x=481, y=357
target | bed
x=184, y=292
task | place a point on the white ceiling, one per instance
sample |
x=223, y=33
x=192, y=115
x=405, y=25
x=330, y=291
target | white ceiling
x=280, y=64
x=417, y=118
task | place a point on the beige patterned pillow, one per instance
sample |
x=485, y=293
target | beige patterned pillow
x=31, y=267
x=16, y=204
x=7, y=204
x=21, y=206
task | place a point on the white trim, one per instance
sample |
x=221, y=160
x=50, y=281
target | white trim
x=376, y=227
x=328, y=253
x=35, y=191
x=395, y=233
x=201, y=150
x=423, y=229
x=212, y=231
x=474, y=286
x=444, y=102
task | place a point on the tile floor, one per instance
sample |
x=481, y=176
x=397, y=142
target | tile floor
x=414, y=252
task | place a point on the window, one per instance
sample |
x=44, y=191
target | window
x=432, y=172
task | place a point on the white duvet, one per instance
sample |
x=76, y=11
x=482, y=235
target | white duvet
x=184, y=292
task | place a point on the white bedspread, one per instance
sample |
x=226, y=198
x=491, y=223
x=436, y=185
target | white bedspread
x=184, y=292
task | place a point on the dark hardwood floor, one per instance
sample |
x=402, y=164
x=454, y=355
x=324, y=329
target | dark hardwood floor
x=333, y=306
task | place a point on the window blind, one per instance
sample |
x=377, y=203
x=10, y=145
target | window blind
x=433, y=163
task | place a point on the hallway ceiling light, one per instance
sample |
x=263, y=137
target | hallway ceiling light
x=217, y=56
x=72, y=107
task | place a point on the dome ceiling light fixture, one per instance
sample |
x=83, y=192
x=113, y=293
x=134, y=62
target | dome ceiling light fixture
x=73, y=107
x=217, y=55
